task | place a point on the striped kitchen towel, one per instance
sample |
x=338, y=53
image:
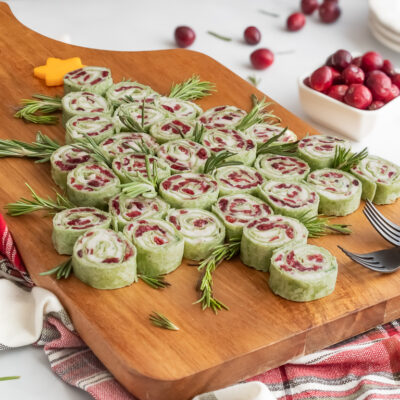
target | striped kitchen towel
x=364, y=367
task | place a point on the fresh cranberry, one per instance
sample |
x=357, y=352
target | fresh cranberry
x=379, y=84
x=307, y=81
x=338, y=92
x=358, y=96
x=357, y=61
x=295, y=21
x=262, y=58
x=376, y=104
x=371, y=61
x=394, y=92
x=252, y=35
x=184, y=36
x=388, y=68
x=396, y=80
x=336, y=76
x=353, y=74
x=309, y=6
x=329, y=11
x=341, y=59
x=329, y=61
x=321, y=79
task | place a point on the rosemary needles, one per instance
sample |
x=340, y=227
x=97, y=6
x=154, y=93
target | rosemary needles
x=219, y=160
x=345, y=159
x=157, y=319
x=35, y=110
x=273, y=147
x=62, y=271
x=192, y=89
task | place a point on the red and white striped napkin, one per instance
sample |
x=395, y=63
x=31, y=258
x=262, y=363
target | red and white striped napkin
x=364, y=367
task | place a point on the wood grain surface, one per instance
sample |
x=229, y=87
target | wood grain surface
x=260, y=331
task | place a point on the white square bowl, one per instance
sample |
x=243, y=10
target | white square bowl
x=344, y=119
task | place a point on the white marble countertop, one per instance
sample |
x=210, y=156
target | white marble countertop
x=130, y=25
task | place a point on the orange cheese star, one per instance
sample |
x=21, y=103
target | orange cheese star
x=55, y=69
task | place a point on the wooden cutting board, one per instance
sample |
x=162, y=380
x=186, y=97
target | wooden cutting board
x=260, y=331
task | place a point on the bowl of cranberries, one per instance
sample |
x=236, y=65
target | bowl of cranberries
x=353, y=95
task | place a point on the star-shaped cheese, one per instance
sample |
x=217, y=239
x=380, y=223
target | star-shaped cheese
x=55, y=69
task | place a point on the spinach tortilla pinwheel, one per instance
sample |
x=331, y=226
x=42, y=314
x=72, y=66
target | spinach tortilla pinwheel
x=264, y=132
x=159, y=245
x=65, y=159
x=281, y=168
x=237, y=210
x=222, y=116
x=69, y=224
x=184, y=155
x=263, y=235
x=172, y=129
x=129, y=166
x=128, y=142
x=243, y=147
x=339, y=192
x=292, y=199
x=83, y=103
x=98, y=127
x=179, y=108
x=380, y=179
x=92, y=185
x=302, y=272
x=126, y=209
x=319, y=150
x=202, y=231
x=90, y=79
x=127, y=91
x=237, y=179
x=104, y=259
x=189, y=190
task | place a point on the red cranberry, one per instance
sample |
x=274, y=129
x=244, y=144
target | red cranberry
x=371, y=61
x=353, y=74
x=341, y=59
x=262, y=58
x=376, y=104
x=295, y=21
x=321, y=79
x=338, y=92
x=329, y=11
x=394, y=92
x=328, y=61
x=357, y=61
x=336, y=76
x=309, y=6
x=379, y=84
x=307, y=81
x=184, y=36
x=358, y=96
x=396, y=80
x=388, y=68
x=252, y=35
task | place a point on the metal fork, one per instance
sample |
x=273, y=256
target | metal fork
x=384, y=261
x=387, y=229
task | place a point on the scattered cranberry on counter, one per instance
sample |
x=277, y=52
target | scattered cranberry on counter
x=184, y=36
x=295, y=21
x=252, y=35
x=262, y=58
x=358, y=96
x=329, y=11
x=365, y=82
x=309, y=6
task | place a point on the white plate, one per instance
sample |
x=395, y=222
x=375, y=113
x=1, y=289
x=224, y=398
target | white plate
x=382, y=36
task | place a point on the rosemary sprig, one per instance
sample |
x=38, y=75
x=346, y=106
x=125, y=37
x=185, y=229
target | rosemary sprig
x=42, y=148
x=271, y=146
x=162, y=321
x=209, y=265
x=256, y=115
x=144, y=149
x=131, y=124
x=217, y=160
x=9, y=378
x=192, y=89
x=156, y=282
x=218, y=36
x=89, y=145
x=26, y=206
x=345, y=159
x=62, y=271
x=141, y=185
x=254, y=80
x=319, y=226
x=269, y=13
x=34, y=110
x=198, y=132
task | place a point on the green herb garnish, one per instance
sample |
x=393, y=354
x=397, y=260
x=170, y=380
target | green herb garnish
x=272, y=147
x=192, y=89
x=161, y=321
x=217, y=160
x=345, y=159
x=62, y=271
x=35, y=110
x=156, y=282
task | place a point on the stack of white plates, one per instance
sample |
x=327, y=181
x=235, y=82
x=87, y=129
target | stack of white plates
x=384, y=22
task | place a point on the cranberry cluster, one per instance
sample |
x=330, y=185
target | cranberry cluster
x=365, y=82
x=329, y=11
